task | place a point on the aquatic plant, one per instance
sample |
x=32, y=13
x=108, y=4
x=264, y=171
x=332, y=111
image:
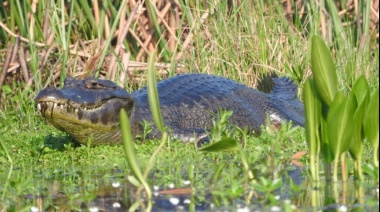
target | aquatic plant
x=334, y=120
x=128, y=144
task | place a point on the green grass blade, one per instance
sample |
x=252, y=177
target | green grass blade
x=129, y=150
x=162, y=43
x=109, y=39
x=154, y=102
x=340, y=35
x=366, y=16
x=87, y=9
x=323, y=68
x=5, y=150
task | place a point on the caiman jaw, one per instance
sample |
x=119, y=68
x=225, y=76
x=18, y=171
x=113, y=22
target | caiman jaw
x=84, y=123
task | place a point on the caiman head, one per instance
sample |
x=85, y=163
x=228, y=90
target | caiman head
x=88, y=109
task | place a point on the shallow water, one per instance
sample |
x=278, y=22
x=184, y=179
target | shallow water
x=114, y=193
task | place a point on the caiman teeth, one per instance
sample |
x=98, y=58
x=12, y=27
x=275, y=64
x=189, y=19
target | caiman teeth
x=52, y=109
x=41, y=106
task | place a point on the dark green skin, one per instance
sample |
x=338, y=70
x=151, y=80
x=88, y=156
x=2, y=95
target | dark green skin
x=89, y=109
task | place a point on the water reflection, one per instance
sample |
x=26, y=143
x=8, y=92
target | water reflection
x=115, y=193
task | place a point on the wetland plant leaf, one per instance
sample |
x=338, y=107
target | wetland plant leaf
x=313, y=116
x=153, y=99
x=323, y=68
x=361, y=90
x=339, y=123
x=129, y=151
x=371, y=124
x=313, y=111
x=128, y=144
x=224, y=145
x=362, y=95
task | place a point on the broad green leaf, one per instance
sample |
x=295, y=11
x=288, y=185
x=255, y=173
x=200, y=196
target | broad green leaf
x=361, y=90
x=313, y=111
x=154, y=102
x=371, y=120
x=361, y=94
x=339, y=123
x=224, y=145
x=323, y=68
x=356, y=147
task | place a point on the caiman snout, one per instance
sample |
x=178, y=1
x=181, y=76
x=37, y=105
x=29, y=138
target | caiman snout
x=50, y=94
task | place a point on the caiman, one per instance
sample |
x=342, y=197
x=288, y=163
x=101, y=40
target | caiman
x=89, y=109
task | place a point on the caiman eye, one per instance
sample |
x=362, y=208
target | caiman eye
x=99, y=84
x=93, y=84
